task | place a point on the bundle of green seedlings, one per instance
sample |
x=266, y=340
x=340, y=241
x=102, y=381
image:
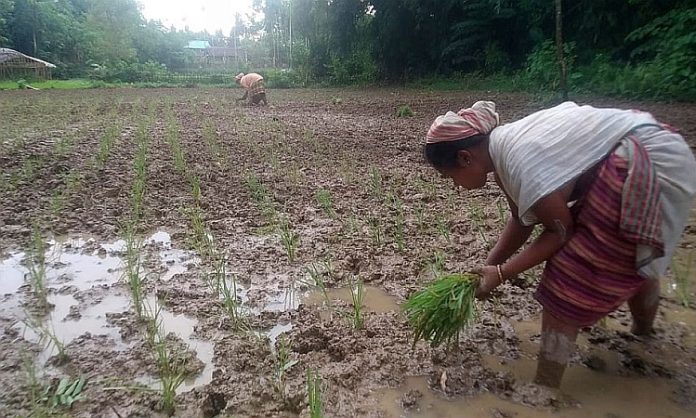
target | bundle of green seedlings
x=440, y=311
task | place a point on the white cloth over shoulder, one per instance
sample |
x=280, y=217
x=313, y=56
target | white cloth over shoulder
x=543, y=152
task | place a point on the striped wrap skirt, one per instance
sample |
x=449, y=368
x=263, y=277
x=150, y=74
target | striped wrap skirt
x=595, y=271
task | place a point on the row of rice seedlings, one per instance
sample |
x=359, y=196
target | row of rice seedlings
x=170, y=367
x=174, y=142
x=314, y=394
x=357, y=293
x=140, y=167
x=350, y=224
x=288, y=238
x=682, y=277
x=323, y=197
x=283, y=363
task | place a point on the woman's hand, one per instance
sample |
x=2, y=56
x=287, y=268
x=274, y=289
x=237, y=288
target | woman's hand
x=489, y=280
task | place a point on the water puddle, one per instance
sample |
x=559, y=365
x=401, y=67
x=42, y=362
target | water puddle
x=67, y=326
x=183, y=326
x=376, y=300
x=82, y=276
x=11, y=274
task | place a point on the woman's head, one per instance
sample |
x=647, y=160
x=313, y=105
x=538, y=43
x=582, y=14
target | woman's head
x=457, y=144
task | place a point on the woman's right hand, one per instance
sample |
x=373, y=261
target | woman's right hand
x=489, y=280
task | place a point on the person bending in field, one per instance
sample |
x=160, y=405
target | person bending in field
x=255, y=91
x=613, y=190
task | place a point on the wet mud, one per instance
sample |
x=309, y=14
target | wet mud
x=391, y=223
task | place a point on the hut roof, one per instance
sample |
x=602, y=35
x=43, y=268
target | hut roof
x=10, y=57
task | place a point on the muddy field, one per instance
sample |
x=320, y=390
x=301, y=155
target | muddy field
x=266, y=204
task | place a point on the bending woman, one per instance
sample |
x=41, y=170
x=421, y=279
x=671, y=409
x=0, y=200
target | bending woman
x=612, y=188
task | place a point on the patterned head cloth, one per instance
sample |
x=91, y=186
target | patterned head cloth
x=239, y=76
x=479, y=119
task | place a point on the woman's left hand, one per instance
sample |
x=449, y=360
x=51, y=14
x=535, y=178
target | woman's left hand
x=489, y=280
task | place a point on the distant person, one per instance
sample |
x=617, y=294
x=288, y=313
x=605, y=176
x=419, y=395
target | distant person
x=255, y=91
x=613, y=190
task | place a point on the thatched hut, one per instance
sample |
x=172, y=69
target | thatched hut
x=14, y=64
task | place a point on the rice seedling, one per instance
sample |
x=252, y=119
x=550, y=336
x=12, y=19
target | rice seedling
x=106, y=143
x=375, y=183
x=399, y=222
x=283, y=363
x=437, y=264
x=440, y=311
x=29, y=168
x=48, y=338
x=477, y=218
x=195, y=188
x=682, y=277
x=36, y=264
x=170, y=367
x=317, y=281
x=262, y=197
x=442, y=226
x=57, y=202
x=420, y=216
x=357, y=293
x=375, y=226
x=323, y=197
x=427, y=187
x=34, y=386
x=314, y=394
x=133, y=274
x=211, y=138
x=502, y=213
x=201, y=238
x=230, y=301
x=404, y=112
x=288, y=238
x=73, y=181
x=350, y=224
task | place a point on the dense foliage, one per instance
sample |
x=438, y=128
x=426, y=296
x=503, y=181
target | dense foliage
x=626, y=47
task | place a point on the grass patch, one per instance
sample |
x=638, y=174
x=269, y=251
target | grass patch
x=404, y=112
x=73, y=84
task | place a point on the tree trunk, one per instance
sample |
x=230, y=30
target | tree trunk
x=559, y=50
